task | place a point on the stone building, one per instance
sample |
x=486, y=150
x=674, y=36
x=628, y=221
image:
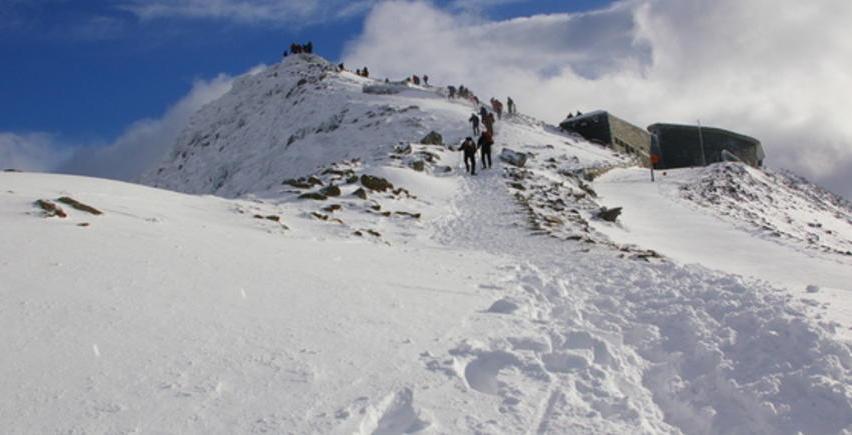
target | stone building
x=681, y=146
x=609, y=130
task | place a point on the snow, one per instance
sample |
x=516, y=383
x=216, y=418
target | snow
x=655, y=217
x=447, y=304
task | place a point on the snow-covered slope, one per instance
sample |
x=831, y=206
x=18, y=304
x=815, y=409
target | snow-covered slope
x=303, y=114
x=356, y=281
x=746, y=225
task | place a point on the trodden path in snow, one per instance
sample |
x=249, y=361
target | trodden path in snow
x=581, y=341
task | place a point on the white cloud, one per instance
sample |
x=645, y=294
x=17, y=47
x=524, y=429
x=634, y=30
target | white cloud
x=30, y=151
x=270, y=12
x=146, y=142
x=774, y=69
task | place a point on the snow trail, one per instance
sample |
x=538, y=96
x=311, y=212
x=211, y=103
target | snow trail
x=614, y=345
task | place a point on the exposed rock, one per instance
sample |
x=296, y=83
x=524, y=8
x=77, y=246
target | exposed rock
x=330, y=191
x=418, y=165
x=79, y=205
x=513, y=158
x=313, y=195
x=332, y=208
x=375, y=183
x=433, y=138
x=50, y=209
x=273, y=218
x=409, y=214
x=83, y=224
x=360, y=193
x=518, y=186
x=404, y=148
x=319, y=216
x=303, y=183
x=609, y=214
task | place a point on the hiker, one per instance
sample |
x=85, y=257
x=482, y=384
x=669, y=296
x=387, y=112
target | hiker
x=285, y=53
x=497, y=106
x=485, y=142
x=416, y=80
x=358, y=72
x=468, y=147
x=425, y=80
x=309, y=47
x=488, y=120
x=474, y=120
x=511, y=106
x=365, y=72
x=483, y=112
x=452, y=91
x=340, y=67
x=295, y=49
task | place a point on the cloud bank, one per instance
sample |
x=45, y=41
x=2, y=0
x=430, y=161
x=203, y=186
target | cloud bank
x=146, y=142
x=777, y=70
x=30, y=151
x=141, y=146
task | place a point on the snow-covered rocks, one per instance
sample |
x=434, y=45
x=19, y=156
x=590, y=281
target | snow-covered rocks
x=513, y=157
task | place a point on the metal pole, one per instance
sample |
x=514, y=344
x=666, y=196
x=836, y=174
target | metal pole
x=701, y=144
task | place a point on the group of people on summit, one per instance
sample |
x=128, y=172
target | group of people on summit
x=300, y=48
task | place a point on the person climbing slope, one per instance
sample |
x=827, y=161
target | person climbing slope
x=474, y=121
x=488, y=121
x=468, y=147
x=510, y=103
x=485, y=142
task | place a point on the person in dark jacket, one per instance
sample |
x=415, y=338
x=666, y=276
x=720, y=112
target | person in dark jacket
x=468, y=147
x=510, y=103
x=485, y=142
x=474, y=121
x=483, y=112
x=488, y=121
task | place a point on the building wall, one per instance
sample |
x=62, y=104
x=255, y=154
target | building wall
x=629, y=138
x=681, y=146
x=593, y=128
x=614, y=132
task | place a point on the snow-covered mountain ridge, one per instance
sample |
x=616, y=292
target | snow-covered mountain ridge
x=347, y=278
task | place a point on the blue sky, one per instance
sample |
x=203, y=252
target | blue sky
x=84, y=70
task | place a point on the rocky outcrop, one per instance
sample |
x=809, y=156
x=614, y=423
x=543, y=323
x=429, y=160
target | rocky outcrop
x=513, y=157
x=77, y=205
x=433, y=138
x=50, y=209
x=374, y=183
x=609, y=214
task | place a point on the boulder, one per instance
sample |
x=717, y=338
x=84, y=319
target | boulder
x=433, y=138
x=313, y=195
x=609, y=214
x=77, y=205
x=50, y=209
x=330, y=191
x=418, y=165
x=378, y=184
x=360, y=193
x=513, y=158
